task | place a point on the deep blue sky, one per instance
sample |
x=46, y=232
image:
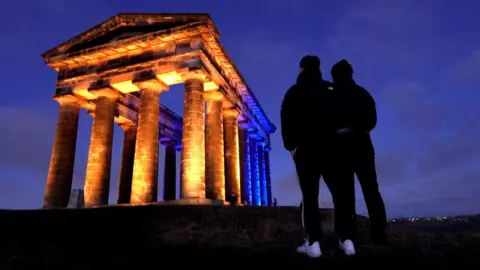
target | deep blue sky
x=419, y=59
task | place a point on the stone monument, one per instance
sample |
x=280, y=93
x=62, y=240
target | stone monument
x=117, y=71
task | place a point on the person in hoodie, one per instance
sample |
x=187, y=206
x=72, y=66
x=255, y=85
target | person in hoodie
x=307, y=131
x=355, y=118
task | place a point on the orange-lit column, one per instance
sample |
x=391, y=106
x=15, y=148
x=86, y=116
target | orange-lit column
x=97, y=179
x=169, y=173
x=214, y=159
x=232, y=158
x=193, y=138
x=145, y=165
x=60, y=172
x=128, y=154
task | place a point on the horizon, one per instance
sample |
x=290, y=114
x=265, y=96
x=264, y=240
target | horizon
x=423, y=71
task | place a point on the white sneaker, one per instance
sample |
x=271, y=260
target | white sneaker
x=302, y=249
x=312, y=251
x=347, y=247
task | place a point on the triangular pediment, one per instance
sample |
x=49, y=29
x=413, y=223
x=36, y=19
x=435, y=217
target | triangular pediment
x=127, y=25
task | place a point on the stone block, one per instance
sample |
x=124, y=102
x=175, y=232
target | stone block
x=76, y=199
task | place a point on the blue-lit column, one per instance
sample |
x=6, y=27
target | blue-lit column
x=254, y=171
x=245, y=181
x=268, y=179
x=262, y=173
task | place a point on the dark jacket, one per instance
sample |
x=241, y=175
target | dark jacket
x=306, y=112
x=355, y=109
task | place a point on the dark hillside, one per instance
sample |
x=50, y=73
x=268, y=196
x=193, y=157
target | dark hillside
x=197, y=235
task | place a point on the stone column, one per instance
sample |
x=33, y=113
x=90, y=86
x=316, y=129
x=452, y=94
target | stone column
x=262, y=173
x=268, y=177
x=232, y=158
x=170, y=174
x=97, y=179
x=254, y=171
x=60, y=171
x=245, y=181
x=126, y=169
x=145, y=164
x=214, y=145
x=180, y=176
x=193, y=138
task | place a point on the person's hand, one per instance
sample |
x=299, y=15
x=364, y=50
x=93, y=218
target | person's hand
x=344, y=130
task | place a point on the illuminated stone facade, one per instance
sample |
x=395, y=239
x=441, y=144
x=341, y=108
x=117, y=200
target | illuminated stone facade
x=118, y=71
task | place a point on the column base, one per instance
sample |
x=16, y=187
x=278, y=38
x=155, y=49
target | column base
x=199, y=202
x=193, y=202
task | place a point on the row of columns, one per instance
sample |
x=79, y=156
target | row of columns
x=230, y=154
x=255, y=173
x=210, y=164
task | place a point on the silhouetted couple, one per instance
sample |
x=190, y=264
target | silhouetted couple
x=326, y=128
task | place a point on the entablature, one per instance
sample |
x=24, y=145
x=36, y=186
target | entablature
x=169, y=53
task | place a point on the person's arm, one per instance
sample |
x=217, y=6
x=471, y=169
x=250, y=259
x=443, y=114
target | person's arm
x=287, y=117
x=368, y=117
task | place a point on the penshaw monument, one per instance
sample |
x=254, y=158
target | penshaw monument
x=117, y=71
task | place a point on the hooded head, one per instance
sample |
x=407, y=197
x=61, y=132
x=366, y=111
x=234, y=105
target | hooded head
x=310, y=64
x=342, y=72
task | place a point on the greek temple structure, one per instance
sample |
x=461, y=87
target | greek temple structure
x=117, y=71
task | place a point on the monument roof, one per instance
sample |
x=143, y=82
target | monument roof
x=129, y=22
x=124, y=27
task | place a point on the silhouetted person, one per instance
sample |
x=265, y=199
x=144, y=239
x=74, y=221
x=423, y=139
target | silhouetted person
x=232, y=199
x=306, y=132
x=355, y=117
x=274, y=201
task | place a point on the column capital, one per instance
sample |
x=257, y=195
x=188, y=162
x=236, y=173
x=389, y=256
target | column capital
x=244, y=124
x=198, y=74
x=252, y=134
x=213, y=95
x=152, y=84
x=126, y=126
x=149, y=80
x=66, y=99
x=262, y=143
x=105, y=91
x=169, y=142
x=232, y=112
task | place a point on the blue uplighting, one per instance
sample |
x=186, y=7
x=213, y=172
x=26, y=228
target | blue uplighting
x=255, y=177
x=262, y=173
x=268, y=179
x=248, y=177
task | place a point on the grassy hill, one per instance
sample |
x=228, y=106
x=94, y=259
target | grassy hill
x=204, y=236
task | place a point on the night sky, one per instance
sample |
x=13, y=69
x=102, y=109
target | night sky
x=419, y=59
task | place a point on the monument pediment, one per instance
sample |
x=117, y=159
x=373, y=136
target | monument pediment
x=127, y=25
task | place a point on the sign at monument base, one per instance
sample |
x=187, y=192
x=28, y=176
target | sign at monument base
x=76, y=200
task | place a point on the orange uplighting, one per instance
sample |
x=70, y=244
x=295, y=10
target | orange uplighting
x=125, y=87
x=150, y=62
x=170, y=78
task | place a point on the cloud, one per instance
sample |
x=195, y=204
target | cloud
x=373, y=33
x=26, y=138
x=427, y=150
x=425, y=139
x=466, y=70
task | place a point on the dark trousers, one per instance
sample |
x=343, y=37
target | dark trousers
x=311, y=165
x=353, y=156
